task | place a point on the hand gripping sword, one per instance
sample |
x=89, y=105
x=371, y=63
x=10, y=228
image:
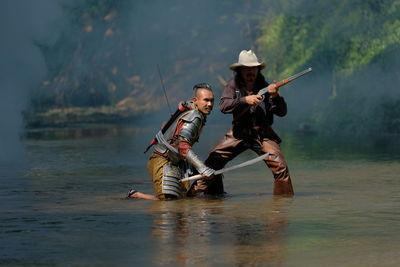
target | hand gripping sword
x=241, y=165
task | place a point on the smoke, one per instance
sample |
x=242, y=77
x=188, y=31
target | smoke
x=22, y=66
x=191, y=41
x=114, y=47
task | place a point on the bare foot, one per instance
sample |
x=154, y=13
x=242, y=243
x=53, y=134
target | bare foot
x=136, y=194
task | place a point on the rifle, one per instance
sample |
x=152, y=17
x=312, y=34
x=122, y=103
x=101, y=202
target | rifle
x=285, y=81
x=263, y=91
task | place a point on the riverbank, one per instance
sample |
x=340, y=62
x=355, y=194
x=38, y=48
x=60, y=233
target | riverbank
x=71, y=116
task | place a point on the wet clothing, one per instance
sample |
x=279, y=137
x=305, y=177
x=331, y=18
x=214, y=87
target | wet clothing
x=170, y=161
x=251, y=129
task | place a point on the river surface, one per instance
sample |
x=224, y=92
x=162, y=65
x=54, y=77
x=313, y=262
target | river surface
x=64, y=205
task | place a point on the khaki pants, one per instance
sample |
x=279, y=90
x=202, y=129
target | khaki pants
x=155, y=166
x=230, y=147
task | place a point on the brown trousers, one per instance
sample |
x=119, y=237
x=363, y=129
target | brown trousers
x=230, y=147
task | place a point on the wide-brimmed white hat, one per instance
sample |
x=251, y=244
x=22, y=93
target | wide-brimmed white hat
x=247, y=59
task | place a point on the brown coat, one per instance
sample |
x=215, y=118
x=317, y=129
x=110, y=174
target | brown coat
x=248, y=124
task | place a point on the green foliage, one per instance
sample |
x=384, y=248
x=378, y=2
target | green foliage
x=348, y=40
x=343, y=36
x=108, y=51
x=286, y=57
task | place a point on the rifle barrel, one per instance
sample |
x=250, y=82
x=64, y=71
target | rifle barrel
x=293, y=77
x=297, y=75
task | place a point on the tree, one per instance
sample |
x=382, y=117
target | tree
x=344, y=41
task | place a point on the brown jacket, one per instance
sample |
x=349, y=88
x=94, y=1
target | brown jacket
x=248, y=124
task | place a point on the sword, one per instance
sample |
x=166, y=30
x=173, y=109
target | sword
x=241, y=165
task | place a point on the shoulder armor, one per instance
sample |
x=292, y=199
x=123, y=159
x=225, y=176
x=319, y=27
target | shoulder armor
x=193, y=123
x=191, y=115
x=191, y=128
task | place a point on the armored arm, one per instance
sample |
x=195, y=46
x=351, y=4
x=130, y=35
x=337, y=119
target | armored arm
x=194, y=160
x=188, y=135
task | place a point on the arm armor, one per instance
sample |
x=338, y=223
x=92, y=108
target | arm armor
x=191, y=128
x=194, y=160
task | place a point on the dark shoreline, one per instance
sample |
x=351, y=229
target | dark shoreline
x=75, y=116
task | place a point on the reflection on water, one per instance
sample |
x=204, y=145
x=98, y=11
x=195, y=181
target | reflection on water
x=198, y=231
x=64, y=205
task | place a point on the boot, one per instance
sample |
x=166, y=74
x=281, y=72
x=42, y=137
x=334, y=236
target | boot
x=283, y=187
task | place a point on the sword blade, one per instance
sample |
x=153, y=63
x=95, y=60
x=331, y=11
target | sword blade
x=241, y=165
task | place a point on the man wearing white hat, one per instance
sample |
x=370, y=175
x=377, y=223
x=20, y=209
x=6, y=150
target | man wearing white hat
x=253, y=116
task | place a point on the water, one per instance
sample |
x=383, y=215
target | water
x=64, y=205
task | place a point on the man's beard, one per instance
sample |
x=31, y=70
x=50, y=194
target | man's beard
x=250, y=79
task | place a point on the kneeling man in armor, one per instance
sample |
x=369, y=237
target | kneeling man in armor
x=173, y=157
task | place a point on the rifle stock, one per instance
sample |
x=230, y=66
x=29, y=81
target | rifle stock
x=282, y=83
